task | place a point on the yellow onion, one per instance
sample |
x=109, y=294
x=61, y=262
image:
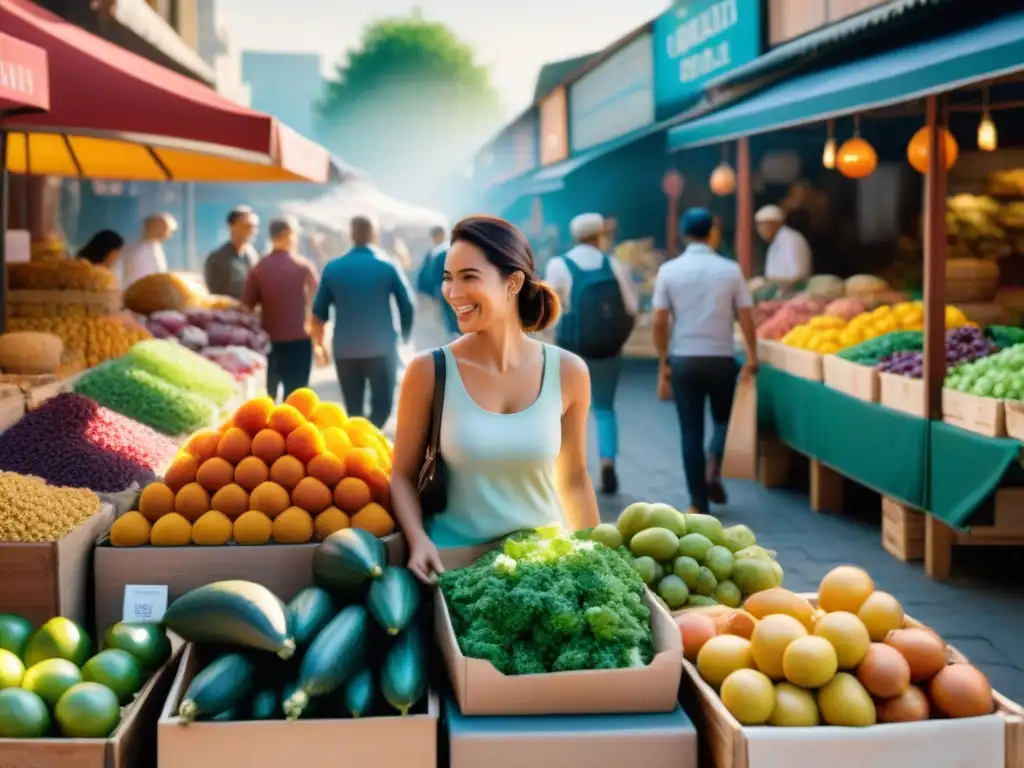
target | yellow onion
x=961, y=690
x=924, y=651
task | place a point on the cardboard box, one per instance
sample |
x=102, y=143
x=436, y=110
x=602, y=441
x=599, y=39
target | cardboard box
x=283, y=568
x=980, y=742
x=666, y=740
x=482, y=690
x=772, y=353
x=859, y=381
x=984, y=415
x=803, y=363
x=901, y=393
x=40, y=581
x=369, y=742
x=131, y=745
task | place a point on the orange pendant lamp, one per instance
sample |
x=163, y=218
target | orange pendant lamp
x=917, y=149
x=723, y=178
x=856, y=158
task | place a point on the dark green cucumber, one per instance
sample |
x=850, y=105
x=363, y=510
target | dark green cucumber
x=235, y=613
x=265, y=705
x=227, y=716
x=393, y=599
x=221, y=686
x=347, y=559
x=148, y=643
x=333, y=656
x=403, y=678
x=311, y=709
x=359, y=692
x=311, y=610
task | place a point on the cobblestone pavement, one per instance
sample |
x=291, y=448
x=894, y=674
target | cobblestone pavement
x=980, y=610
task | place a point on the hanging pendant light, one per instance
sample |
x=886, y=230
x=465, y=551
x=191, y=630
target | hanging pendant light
x=919, y=147
x=988, y=136
x=723, y=178
x=828, y=155
x=856, y=158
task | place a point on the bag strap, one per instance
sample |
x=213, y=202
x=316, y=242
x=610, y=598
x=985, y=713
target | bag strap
x=437, y=409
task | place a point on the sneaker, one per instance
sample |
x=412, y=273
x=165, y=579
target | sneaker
x=609, y=480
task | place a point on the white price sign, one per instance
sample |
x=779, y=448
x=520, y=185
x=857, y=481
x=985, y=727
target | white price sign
x=144, y=602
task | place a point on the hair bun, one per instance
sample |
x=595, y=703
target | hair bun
x=539, y=305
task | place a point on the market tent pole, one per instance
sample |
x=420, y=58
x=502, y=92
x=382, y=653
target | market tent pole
x=744, y=208
x=3, y=228
x=938, y=536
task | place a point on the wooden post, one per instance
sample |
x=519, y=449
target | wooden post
x=744, y=208
x=826, y=488
x=672, y=228
x=938, y=536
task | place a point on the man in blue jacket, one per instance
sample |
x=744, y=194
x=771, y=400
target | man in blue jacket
x=361, y=286
x=431, y=278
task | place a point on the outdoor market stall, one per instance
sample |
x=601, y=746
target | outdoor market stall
x=926, y=449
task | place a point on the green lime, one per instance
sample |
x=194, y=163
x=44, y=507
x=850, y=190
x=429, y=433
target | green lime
x=116, y=669
x=14, y=633
x=11, y=670
x=148, y=643
x=23, y=715
x=59, y=638
x=51, y=678
x=88, y=711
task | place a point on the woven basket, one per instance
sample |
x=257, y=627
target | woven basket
x=971, y=280
x=63, y=303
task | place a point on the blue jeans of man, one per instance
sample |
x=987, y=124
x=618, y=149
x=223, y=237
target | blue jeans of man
x=377, y=373
x=695, y=382
x=604, y=381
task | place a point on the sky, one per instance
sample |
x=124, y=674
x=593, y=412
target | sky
x=514, y=38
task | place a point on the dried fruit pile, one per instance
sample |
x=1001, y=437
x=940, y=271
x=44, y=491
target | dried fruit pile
x=88, y=341
x=288, y=473
x=184, y=368
x=32, y=511
x=72, y=441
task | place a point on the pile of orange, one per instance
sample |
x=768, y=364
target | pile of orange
x=288, y=473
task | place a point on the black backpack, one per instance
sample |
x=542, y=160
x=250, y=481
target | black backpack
x=597, y=324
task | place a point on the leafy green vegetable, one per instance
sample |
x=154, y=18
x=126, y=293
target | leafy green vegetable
x=1004, y=336
x=873, y=351
x=550, y=602
x=183, y=368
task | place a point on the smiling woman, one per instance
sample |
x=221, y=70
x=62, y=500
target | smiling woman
x=514, y=410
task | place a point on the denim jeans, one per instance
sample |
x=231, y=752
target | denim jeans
x=604, y=380
x=695, y=381
x=288, y=365
x=379, y=373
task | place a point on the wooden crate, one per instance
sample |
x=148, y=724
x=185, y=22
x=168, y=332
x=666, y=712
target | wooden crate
x=1013, y=413
x=26, y=303
x=774, y=462
x=803, y=363
x=902, y=530
x=984, y=415
x=726, y=743
x=859, y=381
x=771, y=353
x=901, y=393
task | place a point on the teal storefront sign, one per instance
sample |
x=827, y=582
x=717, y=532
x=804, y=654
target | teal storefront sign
x=696, y=41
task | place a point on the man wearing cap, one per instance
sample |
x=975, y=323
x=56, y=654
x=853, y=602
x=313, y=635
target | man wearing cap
x=789, y=254
x=598, y=300
x=697, y=298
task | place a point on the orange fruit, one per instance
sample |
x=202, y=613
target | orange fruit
x=181, y=472
x=270, y=499
x=268, y=446
x=253, y=415
x=203, y=444
x=287, y=472
x=329, y=415
x=352, y=494
x=192, y=502
x=380, y=487
x=304, y=400
x=360, y=431
x=329, y=521
x=374, y=519
x=327, y=468
x=215, y=473
x=311, y=495
x=360, y=462
x=235, y=444
x=337, y=440
x=232, y=500
x=285, y=418
x=251, y=471
x=155, y=501
x=305, y=442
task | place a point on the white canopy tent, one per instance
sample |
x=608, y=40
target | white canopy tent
x=360, y=197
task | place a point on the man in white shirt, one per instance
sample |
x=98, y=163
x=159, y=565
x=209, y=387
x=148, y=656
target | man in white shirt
x=147, y=256
x=789, y=254
x=588, y=259
x=697, y=298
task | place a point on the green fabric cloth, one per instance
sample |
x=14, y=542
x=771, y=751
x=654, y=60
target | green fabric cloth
x=878, y=447
x=966, y=469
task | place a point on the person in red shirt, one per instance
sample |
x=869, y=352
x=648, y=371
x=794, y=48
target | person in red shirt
x=282, y=285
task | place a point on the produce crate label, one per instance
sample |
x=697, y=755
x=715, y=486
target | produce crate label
x=145, y=602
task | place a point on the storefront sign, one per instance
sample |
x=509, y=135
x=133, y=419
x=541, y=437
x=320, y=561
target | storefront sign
x=24, y=79
x=617, y=97
x=554, y=128
x=699, y=40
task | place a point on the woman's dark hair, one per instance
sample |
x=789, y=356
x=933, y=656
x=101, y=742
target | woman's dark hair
x=507, y=248
x=100, y=245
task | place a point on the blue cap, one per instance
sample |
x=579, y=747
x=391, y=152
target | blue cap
x=696, y=223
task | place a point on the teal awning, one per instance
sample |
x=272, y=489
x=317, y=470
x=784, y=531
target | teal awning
x=942, y=64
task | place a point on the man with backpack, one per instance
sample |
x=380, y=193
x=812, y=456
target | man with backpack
x=599, y=308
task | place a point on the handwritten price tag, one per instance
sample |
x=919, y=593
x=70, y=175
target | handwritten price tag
x=144, y=602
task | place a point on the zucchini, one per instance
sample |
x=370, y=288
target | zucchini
x=235, y=613
x=347, y=559
x=311, y=610
x=227, y=716
x=265, y=705
x=337, y=652
x=311, y=709
x=359, y=692
x=218, y=687
x=403, y=678
x=393, y=599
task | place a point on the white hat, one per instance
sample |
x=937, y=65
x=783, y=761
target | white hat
x=586, y=225
x=770, y=213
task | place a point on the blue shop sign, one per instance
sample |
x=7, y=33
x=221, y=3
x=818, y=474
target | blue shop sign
x=696, y=41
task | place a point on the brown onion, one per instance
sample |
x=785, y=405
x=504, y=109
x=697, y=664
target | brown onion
x=961, y=690
x=908, y=708
x=884, y=672
x=923, y=650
